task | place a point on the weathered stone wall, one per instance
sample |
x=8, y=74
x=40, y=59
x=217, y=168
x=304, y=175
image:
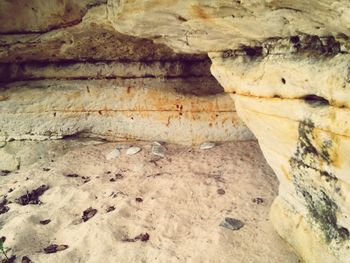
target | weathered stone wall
x=66, y=71
x=89, y=70
x=286, y=65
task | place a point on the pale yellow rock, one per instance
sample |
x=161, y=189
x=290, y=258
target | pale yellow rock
x=36, y=16
x=92, y=38
x=284, y=63
x=147, y=109
x=294, y=228
x=206, y=25
x=286, y=75
x=8, y=161
x=310, y=158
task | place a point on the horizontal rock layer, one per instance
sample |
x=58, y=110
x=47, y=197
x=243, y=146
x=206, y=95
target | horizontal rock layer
x=285, y=63
x=147, y=109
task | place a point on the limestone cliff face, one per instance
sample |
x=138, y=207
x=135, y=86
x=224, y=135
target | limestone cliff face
x=284, y=64
x=66, y=71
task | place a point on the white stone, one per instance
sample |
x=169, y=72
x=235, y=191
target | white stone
x=133, y=150
x=207, y=145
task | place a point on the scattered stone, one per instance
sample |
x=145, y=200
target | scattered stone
x=54, y=248
x=72, y=175
x=114, y=154
x=86, y=179
x=258, y=200
x=32, y=197
x=12, y=259
x=26, y=259
x=116, y=177
x=89, y=213
x=221, y=191
x=142, y=237
x=3, y=206
x=46, y=169
x=10, y=190
x=232, y=223
x=5, y=172
x=139, y=199
x=158, y=150
x=207, y=145
x=110, y=209
x=133, y=150
x=45, y=222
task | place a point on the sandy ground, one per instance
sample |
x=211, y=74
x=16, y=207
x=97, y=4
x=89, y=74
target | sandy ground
x=179, y=201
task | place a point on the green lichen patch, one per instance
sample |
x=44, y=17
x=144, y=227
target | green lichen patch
x=307, y=173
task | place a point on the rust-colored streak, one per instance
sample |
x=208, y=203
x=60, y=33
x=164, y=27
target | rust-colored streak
x=2, y=98
x=199, y=12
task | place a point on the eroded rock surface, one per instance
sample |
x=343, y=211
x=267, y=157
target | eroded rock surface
x=70, y=73
x=284, y=63
x=206, y=25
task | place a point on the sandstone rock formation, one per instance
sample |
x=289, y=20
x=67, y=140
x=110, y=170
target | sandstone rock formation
x=68, y=72
x=284, y=63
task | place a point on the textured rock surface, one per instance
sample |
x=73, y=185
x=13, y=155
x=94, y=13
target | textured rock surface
x=84, y=78
x=148, y=109
x=297, y=105
x=206, y=25
x=286, y=65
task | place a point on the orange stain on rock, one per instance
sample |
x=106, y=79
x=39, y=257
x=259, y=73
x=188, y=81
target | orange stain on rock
x=199, y=12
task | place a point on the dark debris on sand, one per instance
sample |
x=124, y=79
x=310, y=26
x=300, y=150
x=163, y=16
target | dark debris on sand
x=54, y=248
x=26, y=259
x=142, y=237
x=89, y=213
x=33, y=196
x=45, y=222
x=3, y=206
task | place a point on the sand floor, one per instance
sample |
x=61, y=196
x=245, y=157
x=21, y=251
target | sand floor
x=179, y=201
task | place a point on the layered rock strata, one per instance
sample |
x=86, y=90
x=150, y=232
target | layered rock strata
x=65, y=71
x=286, y=66
x=133, y=109
x=284, y=63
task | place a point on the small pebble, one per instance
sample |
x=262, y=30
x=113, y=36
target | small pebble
x=5, y=172
x=55, y=248
x=26, y=259
x=138, y=199
x=142, y=237
x=221, y=191
x=89, y=213
x=110, y=209
x=258, y=200
x=207, y=145
x=232, y=223
x=158, y=150
x=45, y=222
x=133, y=150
